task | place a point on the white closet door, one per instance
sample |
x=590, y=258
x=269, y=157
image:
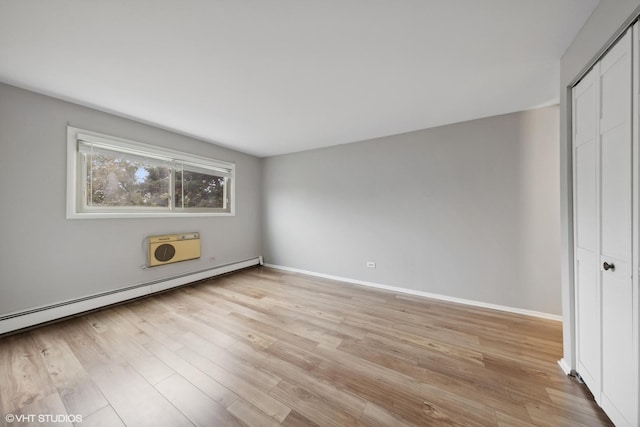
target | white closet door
x=585, y=155
x=619, y=397
x=605, y=279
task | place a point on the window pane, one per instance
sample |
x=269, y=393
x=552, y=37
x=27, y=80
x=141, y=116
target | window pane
x=200, y=190
x=116, y=181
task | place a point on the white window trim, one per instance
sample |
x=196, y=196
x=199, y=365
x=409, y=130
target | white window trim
x=74, y=199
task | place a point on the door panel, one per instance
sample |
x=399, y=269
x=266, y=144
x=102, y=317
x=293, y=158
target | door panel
x=607, y=354
x=585, y=113
x=616, y=192
x=618, y=392
x=613, y=111
x=586, y=189
x=587, y=290
x=618, y=383
x=615, y=85
x=588, y=315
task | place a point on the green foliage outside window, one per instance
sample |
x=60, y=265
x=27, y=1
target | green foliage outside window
x=114, y=181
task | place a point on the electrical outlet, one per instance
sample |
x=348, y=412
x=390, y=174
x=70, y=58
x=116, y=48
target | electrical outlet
x=371, y=264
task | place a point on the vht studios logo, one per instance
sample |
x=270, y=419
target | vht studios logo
x=42, y=418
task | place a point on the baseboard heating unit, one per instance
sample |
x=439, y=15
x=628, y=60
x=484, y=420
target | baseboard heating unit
x=28, y=318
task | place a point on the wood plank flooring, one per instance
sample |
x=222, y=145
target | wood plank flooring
x=262, y=347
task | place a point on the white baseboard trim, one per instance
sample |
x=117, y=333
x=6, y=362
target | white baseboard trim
x=24, y=319
x=515, y=310
x=565, y=366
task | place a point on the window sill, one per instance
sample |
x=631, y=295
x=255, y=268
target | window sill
x=145, y=215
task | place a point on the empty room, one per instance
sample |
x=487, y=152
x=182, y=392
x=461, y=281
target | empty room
x=320, y=213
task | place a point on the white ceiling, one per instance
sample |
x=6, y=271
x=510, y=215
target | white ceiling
x=276, y=76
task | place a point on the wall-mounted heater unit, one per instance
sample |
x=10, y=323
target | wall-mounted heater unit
x=173, y=248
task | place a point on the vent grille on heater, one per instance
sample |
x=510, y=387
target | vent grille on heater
x=172, y=248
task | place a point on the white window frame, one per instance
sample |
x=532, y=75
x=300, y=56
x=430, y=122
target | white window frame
x=76, y=208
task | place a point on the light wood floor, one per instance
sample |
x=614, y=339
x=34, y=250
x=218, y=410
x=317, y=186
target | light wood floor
x=262, y=347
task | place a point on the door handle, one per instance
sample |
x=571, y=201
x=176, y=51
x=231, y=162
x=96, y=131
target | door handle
x=608, y=266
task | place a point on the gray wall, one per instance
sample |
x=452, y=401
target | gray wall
x=606, y=21
x=468, y=210
x=45, y=258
